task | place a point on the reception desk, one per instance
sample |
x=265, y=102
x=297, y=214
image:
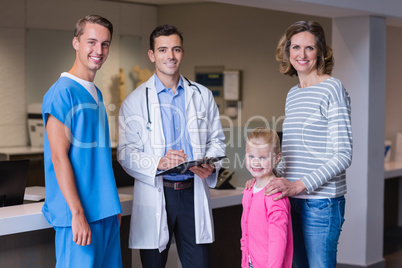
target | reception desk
x=28, y=217
x=27, y=240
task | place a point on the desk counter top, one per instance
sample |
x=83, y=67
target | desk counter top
x=28, y=217
x=392, y=169
x=6, y=152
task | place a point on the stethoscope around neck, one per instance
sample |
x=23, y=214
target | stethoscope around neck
x=149, y=123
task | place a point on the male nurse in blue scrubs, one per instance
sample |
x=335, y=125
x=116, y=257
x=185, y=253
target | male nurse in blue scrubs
x=82, y=203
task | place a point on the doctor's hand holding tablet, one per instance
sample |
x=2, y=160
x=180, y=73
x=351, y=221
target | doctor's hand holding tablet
x=172, y=158
x=176, y=157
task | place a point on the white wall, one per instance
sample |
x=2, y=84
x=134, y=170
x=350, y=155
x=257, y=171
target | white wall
x=19, y=15
x=12, y=73
x=359, y=47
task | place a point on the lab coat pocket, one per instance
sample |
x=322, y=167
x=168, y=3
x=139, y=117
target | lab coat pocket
x=198, y=130
x=202, y=121
x=201, y=115
x=198, y=121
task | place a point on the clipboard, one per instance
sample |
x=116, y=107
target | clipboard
x=185, y=166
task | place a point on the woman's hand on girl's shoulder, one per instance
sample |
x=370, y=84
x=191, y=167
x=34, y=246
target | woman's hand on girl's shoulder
x=285, y=187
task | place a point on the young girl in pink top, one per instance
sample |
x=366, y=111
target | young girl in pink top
x=266, y=224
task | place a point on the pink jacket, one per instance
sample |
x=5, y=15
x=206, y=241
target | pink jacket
x=266, y=231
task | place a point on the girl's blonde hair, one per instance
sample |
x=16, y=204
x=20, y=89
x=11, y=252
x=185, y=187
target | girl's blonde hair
x=269, y=136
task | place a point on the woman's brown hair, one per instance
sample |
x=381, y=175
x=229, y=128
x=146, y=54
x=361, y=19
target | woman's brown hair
x=325, y=59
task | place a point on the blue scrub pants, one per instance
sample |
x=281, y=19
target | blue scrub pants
x=181, y=222
x=103, y=252
x=317, y=224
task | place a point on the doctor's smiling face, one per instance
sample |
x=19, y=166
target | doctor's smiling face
x=167, y=55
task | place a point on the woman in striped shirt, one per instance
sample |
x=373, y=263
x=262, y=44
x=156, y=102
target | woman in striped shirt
x=316, y=146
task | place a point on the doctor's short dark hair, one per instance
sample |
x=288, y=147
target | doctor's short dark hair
x=96, y=19
x=163, y=30
x=325, y=58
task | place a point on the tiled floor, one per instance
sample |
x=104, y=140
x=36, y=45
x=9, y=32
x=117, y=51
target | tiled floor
x=393, y=247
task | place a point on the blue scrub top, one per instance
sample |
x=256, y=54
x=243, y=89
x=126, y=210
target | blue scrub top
x=90, y=154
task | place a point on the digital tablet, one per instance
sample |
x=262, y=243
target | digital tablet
x=185, y=166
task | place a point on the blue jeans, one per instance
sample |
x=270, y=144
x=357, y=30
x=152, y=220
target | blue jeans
x=317, y=224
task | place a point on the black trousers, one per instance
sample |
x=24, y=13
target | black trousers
x=181, y=223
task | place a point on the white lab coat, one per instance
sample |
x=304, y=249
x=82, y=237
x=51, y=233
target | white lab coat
x=140, y=150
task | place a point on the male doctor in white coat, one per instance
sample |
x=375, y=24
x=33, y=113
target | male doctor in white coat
x=164, y=122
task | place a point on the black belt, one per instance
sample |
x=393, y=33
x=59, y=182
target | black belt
x=179, y=185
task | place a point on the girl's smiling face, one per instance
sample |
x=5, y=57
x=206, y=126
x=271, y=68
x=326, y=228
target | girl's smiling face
x=260, y=158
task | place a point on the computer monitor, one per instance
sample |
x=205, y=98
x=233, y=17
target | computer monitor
x=13, y=179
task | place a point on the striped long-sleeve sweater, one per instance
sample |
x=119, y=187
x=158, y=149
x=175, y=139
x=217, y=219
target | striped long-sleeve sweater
x=317, y=138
